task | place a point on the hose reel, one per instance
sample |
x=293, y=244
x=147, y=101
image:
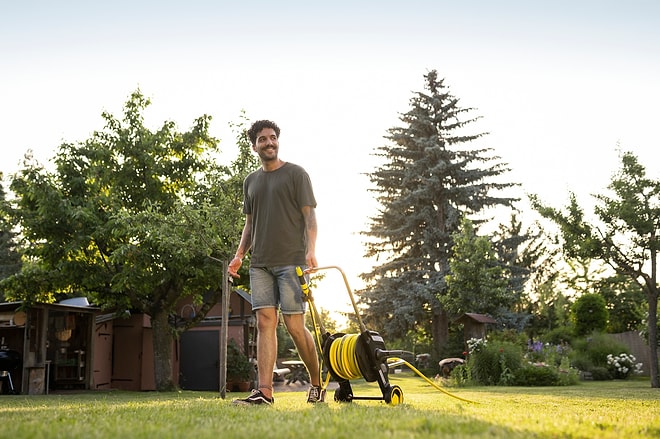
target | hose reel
x=353, y=356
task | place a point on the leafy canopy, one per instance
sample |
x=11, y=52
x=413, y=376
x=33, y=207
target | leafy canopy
x=624, y=234
x=133, y=219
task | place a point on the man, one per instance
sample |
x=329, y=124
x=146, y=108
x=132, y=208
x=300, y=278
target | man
x=280, y=230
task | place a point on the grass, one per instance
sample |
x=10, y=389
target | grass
x=605, y=409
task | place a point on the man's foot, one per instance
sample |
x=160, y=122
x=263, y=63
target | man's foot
x=314, y=395
x=255, y=398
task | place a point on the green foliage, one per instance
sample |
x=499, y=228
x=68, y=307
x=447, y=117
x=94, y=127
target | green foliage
x=552, y=368
x=623, y=365
x=495, y=363
x=10, y=258
x=550, y=308
x=559, y=336
x=589, y=314
x=455, y=346
x=239, y=367
x=285, y=345
x=428, y=181
x=133, y=219
x=508, y=335
x=525, y=256
x=531, y=375
x=600, y=373
x=591, y=352
x=476, y=282
x=626, y=303
x=499, y=360
x=625, y=236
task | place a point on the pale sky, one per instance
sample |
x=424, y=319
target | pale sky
x=557, y=84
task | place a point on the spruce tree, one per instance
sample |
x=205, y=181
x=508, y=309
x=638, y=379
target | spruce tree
x=428, y=181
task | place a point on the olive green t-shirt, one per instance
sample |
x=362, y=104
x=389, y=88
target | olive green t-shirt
x=275, y=199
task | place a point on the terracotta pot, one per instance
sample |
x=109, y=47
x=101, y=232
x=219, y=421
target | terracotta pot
x=241, y=386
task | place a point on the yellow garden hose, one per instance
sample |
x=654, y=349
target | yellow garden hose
x=390, y=361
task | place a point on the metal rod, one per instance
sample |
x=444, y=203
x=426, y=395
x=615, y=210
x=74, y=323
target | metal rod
x=223, y=330
x=348, y=288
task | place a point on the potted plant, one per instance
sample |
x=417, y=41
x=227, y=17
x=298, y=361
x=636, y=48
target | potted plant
x=239, y=368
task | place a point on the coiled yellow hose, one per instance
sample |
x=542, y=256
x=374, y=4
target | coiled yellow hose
x=343, y=359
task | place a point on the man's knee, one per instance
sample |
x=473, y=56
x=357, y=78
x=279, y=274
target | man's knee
x=266, y=319
x=295, y=325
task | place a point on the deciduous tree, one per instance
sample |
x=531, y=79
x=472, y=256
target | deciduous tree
x=477, y=282
x=623, y=234
x=134, y=219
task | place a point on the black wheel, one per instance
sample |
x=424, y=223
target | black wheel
x=394, y=395
x=344, y=392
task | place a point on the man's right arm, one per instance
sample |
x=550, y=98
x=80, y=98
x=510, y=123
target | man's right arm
x=243, y=247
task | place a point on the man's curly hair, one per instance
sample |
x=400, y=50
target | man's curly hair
x=260, y=125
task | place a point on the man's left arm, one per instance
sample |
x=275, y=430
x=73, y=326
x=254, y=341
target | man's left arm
x=309, y=213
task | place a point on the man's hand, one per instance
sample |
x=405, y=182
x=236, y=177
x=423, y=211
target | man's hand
x=312, y=264
x=234, y=266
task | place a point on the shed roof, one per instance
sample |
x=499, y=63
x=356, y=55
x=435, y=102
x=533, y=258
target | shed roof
x=13, y=306
x=244, y=294
x=479, y=318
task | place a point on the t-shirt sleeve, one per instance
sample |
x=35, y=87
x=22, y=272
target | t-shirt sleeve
x=305, y=192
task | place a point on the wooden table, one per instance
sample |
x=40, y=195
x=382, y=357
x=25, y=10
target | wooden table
x=298, y=371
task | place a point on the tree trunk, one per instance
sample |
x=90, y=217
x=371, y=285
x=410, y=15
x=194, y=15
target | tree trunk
x=653, y=338
x=162, y=341
x=439, y=330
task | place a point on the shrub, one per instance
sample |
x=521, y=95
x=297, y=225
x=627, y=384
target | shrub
x=599, y=373
x=623, y=365
x=460, y=375
x=559, y=336
x=589, y=313
x=537, y=376
x=568, y=375
x=494, y=363
x=581, y=362
x=593, y=351
x=547, y=374
x=508, y=335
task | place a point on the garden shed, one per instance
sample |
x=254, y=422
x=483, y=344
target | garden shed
x=73, y=345
x=200, y=346
x=53, y=342
x=125, y=356
x=474, y=325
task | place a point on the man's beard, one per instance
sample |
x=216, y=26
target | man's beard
x=267, y=156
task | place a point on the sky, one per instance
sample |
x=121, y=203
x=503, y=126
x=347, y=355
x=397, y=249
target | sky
x=560, y=87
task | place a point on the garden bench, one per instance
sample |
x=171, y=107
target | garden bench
x=280, y=372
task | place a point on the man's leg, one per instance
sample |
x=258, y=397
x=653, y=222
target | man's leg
x=304, y=341
x=266, y=348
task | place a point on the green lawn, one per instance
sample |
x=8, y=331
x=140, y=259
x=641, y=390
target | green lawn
x=610, y=409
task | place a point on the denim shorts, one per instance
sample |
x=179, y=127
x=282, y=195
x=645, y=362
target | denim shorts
x=277, y=286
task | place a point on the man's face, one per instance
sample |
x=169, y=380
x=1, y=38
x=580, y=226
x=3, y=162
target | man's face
x=267, y=145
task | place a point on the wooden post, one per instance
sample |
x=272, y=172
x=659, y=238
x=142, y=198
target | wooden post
x=224, y=329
